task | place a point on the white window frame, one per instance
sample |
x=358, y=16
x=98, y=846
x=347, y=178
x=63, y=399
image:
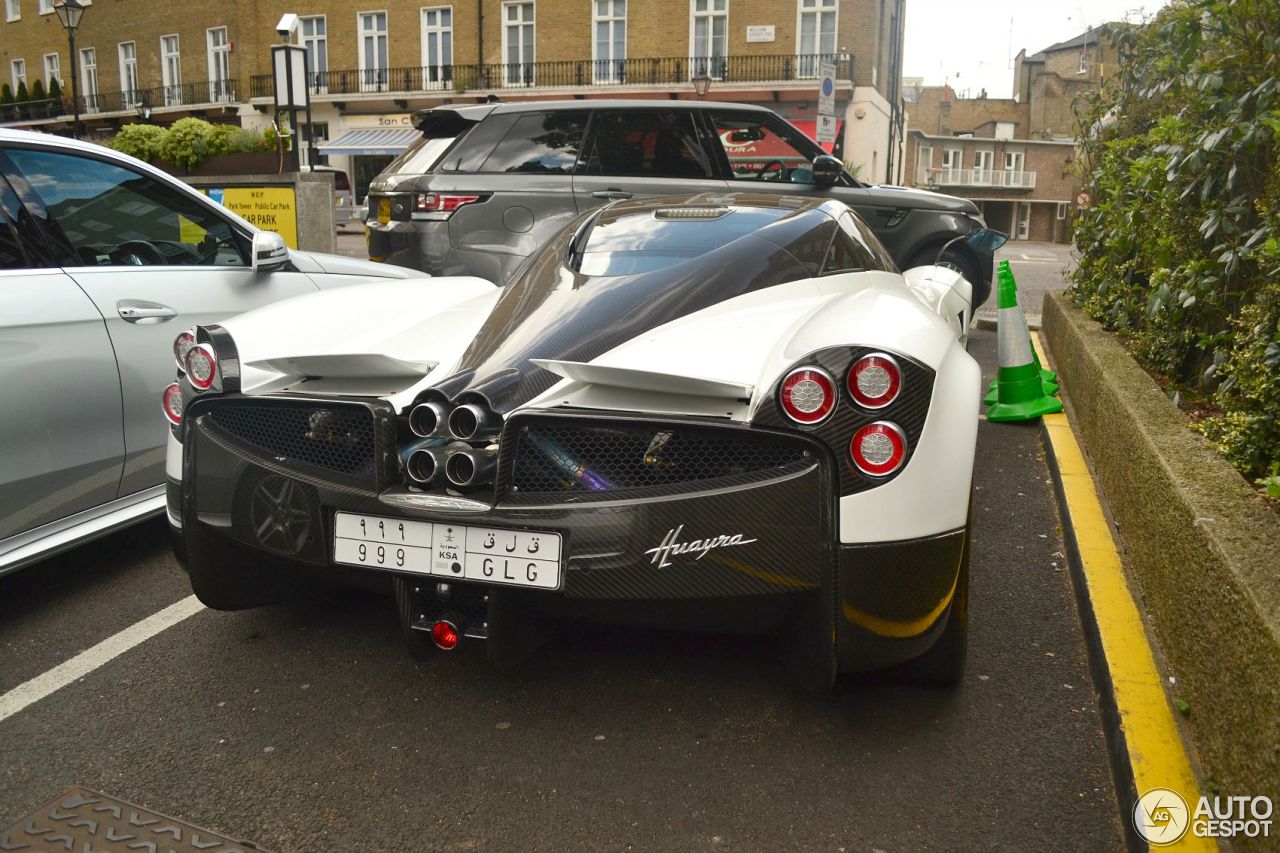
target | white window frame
x=608, y=69
x=983, y=174
x=13, y=10
x=1084, y=62
x=373, y=77
x=1062, y=210
x=316, y=45
x=924, y=163
x=45, y=7
x=218, y=57
x=522, y=77
x=17, y=73
x=52, y=70
x=438, y=74
x=129, y=97
x=171, y=69
x=806, y=64
x=1015, y=161
x=951, y=170
x=89, y=78
x=706, y=63
x=1023, y=215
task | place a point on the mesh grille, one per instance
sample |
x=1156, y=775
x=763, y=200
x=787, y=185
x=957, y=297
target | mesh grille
x=559, y=457
x=337, y=439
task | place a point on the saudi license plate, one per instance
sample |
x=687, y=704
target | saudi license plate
x=384, y=210
x=529, y=558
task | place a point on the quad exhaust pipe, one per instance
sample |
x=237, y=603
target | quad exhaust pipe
x=470, y=467
x=474, y=423
x=425, y=464
x=429, y=419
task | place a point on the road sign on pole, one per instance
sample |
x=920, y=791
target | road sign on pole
x=827, y=89
x=826, y=130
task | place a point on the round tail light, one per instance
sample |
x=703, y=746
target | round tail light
x=874, y=381
x=445, y=635
x=201, y=366
x=878, y=449
x=181, y=346
x=171, y=402
x=807, y=395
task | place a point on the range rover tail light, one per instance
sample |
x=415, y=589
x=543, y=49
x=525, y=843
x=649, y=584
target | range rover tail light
x=807, y=395
x=874, y=381
x=878, y=449
x=441, y=203
x=181, y=346
x=171, y=403
x=201, y=366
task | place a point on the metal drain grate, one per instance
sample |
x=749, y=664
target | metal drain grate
x=82, y=819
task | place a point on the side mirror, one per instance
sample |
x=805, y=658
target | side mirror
x=826, y=170
x=269, y=252
x=985, y=240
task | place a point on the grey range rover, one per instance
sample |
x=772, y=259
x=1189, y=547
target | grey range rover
x=487, y=184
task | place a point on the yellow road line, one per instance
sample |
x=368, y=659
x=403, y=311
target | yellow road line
x=1156, y=751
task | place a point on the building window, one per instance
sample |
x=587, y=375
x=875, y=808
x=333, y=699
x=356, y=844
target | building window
x=171, y=70
x=517, y=44
x=710, y=38
x=219, y=47
x=52, y=69
x=12, y=10
x=45, y=7
x=129, y=73
x=315, y=39
x=1024, y=219
x=983, y=166
x=609, y=47
x=952, y=163
x=924, y=162
x=89, y=78
x=817, y=39
x=437, y=47
x=1084, y=62
x=1062, y=210
x=373, y=51
x=18, y=71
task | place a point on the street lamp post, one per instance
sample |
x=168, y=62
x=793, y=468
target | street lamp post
x=69, y=13
x=701, y=84
x=143, y=110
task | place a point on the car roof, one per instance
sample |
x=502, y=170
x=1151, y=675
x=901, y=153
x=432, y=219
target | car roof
x=476, y=112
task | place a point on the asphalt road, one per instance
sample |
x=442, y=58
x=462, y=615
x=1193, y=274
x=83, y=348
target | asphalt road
x=307, y=727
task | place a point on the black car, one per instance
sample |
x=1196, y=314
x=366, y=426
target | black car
x=488, y=184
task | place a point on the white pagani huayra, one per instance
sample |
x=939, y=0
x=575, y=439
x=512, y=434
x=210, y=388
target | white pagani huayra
x=714, y=412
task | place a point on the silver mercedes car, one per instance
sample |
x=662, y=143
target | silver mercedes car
x=103, y=259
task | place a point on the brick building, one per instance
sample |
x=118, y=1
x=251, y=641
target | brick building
x=1014, y=156
x=371, y=68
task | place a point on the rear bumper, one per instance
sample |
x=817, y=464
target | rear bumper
x=639, y=561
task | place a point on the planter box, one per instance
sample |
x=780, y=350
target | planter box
x=241, y=163
x=1198, y=540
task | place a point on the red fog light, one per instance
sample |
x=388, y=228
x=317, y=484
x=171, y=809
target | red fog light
x=807, y=395
x=171, y=402
x=181, y=346
x=874, y=381
x=201, y=366
x=878, y=449
x=445, y=635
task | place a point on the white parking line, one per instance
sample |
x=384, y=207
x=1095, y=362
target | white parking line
x=90, y=659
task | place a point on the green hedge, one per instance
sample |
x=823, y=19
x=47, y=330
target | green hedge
x=1180, y=251
x=189, y=141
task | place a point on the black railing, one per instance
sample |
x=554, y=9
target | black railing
x=665, y=71
x=156, y=97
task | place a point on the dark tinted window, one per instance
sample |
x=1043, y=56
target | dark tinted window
x=763, y=147
x=646, y=241
x=543, y=143
x=855, y=249
x=11, y=257
x=653, y=143
x=114, y=216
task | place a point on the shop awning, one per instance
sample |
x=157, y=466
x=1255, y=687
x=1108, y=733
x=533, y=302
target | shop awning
x=382, y=140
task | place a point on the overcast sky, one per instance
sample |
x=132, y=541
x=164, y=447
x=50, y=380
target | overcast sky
x=972, y=45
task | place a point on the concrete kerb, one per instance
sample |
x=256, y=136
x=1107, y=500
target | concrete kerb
x=1199, y=544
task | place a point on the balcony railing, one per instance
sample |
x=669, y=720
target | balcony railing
x=667, y=71
x=1001, y=178
x=157, y=97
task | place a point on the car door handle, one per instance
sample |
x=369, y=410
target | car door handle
x=612, y=194
x=138, y=311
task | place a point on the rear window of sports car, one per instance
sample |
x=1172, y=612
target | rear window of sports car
x=643, y=243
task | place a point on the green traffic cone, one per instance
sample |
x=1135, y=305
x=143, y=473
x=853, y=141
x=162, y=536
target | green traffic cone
x=1048, y=377
x=1020, y=391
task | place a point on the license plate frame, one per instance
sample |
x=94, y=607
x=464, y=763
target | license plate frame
x=529, y=559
